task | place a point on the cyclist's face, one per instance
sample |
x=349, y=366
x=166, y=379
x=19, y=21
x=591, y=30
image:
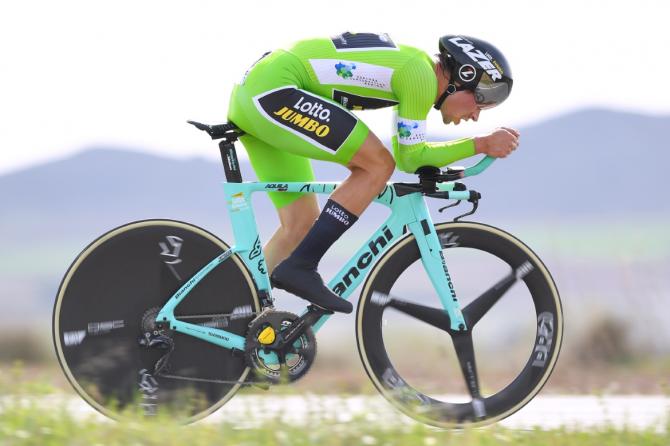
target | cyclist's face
x=460, y=106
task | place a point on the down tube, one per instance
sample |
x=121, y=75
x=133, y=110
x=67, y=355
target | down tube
x=353, y=273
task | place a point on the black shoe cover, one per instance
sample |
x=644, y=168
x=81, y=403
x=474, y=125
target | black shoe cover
x=302, y=280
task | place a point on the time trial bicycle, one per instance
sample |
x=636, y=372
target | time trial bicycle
x=162, y=314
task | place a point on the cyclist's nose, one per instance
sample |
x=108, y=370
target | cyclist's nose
x=475, y=115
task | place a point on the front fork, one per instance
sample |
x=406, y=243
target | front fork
x=433, y=261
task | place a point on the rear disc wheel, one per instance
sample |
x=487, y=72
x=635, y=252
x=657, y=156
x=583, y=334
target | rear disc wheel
x=106, y=303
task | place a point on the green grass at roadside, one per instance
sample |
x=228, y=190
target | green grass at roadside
x=29, y=425
x=32, y=412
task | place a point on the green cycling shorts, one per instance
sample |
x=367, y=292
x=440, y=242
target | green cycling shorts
x=286, y=126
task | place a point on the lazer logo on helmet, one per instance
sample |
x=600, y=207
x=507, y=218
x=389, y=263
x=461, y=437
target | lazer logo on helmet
x=309, y=116
x=467, y=73
x=484, y=61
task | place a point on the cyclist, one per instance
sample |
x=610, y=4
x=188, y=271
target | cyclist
x=294, y=106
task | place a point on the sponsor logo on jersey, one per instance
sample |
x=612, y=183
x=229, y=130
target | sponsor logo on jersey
x=347, y=72
x=411, y=132
x=356, y=102
x=405, y=128
x=309, y=116
x=485, y=61
x=304, y=122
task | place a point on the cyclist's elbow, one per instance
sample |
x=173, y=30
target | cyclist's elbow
x=388, y=166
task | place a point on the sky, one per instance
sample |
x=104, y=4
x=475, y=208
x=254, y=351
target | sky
x=81, y=74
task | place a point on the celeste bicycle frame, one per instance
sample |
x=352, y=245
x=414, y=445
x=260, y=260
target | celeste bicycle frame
x=407, y=211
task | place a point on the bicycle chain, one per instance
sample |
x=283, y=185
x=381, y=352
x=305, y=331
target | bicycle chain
x=277, y=319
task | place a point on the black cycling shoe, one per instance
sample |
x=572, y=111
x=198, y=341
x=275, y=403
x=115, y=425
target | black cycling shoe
x=304, y=281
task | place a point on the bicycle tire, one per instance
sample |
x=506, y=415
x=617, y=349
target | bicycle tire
x=111, y=285
x=380, y=368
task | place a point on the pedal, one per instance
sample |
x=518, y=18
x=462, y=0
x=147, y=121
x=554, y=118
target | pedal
x=317, y=309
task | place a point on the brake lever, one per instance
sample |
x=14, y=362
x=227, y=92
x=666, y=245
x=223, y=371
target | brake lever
x=449, y=206
x=475, y=204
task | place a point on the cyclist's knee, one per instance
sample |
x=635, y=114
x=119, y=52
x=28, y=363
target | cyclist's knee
x=386, y=165
x=374, y=159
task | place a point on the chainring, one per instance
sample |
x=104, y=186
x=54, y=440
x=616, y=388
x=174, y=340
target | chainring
x=264, y=359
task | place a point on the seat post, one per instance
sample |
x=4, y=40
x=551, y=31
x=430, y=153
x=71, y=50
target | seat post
x=228, y=134
x=229, y=158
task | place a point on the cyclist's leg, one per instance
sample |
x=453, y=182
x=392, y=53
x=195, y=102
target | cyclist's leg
x=281, y=119
x=305, y=124
x=371, y=166
x=295, y=221
x=297, y=211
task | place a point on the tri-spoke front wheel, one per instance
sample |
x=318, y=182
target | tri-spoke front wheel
x=452, y=378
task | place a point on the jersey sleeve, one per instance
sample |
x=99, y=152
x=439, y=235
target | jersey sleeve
x=415, y=86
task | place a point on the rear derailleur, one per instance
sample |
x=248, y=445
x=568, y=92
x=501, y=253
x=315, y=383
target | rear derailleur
x=154, y=335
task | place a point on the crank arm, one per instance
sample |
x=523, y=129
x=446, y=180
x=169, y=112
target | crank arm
x=296, y=329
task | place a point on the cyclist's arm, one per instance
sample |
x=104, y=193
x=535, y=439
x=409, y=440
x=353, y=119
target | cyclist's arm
x=416, y=87
x=438, y=154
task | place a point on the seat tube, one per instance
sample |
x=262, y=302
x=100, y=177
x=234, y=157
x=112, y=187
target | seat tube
x=434, y=263
x=247, y=240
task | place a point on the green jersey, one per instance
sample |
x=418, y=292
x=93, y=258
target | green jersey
x=308, y=89
x=368, y=71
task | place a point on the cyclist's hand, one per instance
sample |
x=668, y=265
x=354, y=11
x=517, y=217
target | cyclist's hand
x=499, y=143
